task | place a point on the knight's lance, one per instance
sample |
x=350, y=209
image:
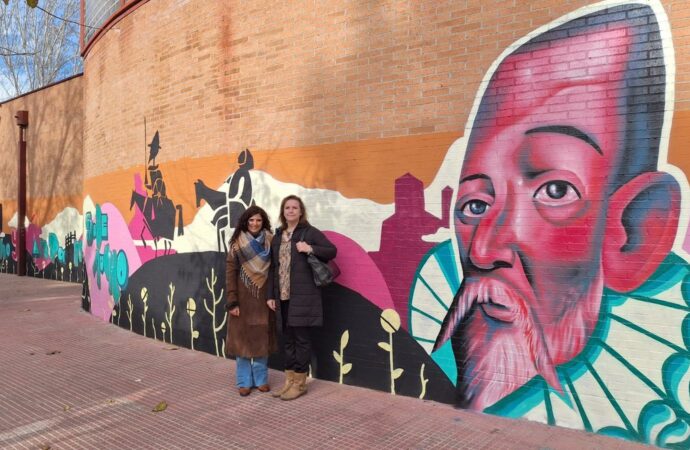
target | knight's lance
x=146, y=172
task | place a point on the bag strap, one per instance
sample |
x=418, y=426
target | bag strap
x=304, y=232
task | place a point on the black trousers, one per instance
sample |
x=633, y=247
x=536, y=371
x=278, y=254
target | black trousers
x=297, y=345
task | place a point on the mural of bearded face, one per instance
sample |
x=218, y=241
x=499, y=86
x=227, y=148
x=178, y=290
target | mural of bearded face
x=552, y=207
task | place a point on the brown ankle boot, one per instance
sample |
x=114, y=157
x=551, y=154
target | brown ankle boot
x=244, y=391
x=289, y=378
x=298, y=387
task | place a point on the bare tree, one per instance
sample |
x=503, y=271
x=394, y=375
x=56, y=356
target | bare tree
x=38, y=46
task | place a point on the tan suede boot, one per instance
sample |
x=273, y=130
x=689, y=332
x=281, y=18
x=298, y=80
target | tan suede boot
x=298, y=387
x=289, y=379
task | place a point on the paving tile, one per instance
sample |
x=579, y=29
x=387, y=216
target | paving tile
x=71, y=381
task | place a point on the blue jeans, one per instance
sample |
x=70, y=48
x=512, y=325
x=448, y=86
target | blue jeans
x=252, y=372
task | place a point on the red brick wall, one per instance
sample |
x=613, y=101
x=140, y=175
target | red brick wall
x=222, y=76
x=54, y=151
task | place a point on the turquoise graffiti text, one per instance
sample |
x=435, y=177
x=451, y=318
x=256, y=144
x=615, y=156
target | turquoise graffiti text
x=110, y=262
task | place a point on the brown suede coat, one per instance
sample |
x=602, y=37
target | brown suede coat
x=253, y=333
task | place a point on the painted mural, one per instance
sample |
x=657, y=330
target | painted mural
x=561, y=294
x=541, y=274
x=53, y=251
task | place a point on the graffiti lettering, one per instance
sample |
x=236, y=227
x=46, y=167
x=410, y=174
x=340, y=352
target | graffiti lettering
x=110, y=262
x=114, y=265
x=5, y=251
x=78, y=256
x=96, y=229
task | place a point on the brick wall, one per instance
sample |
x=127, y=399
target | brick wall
x=281, y=76
x=54, y=151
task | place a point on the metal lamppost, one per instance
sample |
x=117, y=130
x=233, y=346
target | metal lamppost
x=23, y=122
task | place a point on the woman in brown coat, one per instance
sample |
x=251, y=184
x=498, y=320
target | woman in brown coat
x=251, y=326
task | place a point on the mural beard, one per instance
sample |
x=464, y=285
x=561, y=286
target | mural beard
x=500, y=345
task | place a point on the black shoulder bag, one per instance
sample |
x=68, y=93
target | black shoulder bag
x=324, y=273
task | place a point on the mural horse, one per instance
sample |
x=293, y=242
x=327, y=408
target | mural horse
x=228, y=208
x=159, y=218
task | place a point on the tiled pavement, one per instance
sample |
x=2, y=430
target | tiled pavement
x=68, y=380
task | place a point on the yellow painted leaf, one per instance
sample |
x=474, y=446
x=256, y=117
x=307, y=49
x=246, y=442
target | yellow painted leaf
x=191, y=306
x=344, y=339
x=144, y=294
x=162, y=406
x=385, y=345
x=163, y=327
x=195, y=335
x=336, y=356
x=397, y=372
x=390, y=320
x=347, y=368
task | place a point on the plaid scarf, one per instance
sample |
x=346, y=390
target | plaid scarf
x=253, y=254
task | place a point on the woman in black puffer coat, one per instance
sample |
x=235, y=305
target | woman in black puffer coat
x=291, y=288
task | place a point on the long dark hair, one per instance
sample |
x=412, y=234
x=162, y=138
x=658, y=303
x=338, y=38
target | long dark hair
x=243, y=224
x=302, y=218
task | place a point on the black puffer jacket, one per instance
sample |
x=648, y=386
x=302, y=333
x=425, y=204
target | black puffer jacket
x=306, y=309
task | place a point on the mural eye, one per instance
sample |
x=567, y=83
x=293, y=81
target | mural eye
x=557, y=193
x=475, y=208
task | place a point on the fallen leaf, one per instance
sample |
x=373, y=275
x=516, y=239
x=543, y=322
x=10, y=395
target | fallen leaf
x=171, y=348
x=27, y=309
x=45, y=447
x=162, y=406
x=66, y=408
x=54, y=352
x=110, y=401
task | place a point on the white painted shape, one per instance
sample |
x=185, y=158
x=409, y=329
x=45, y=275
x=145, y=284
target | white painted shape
x=88, y=206
x=448, y=175
x=199, y=235
x=67, y=221
x=433, y=275
x=643, y=352
x=359, y=219
x=565, y=415
x=423, y=327
x=599, y=410
x=673, y=295
x=658, y=319
x=538, y=413
x=631, y=393
x=15, y=220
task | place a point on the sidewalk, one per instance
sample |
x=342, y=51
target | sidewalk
x=71, y=381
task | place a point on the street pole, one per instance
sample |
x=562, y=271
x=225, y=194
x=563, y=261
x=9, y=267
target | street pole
x=23, y=122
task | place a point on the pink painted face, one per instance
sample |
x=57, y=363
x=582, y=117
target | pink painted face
x=530, y=213
x=255, y=223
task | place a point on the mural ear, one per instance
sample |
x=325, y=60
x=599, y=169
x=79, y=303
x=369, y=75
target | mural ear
x=640, y=229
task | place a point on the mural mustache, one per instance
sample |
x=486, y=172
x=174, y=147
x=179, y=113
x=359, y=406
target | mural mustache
x=499, y=305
